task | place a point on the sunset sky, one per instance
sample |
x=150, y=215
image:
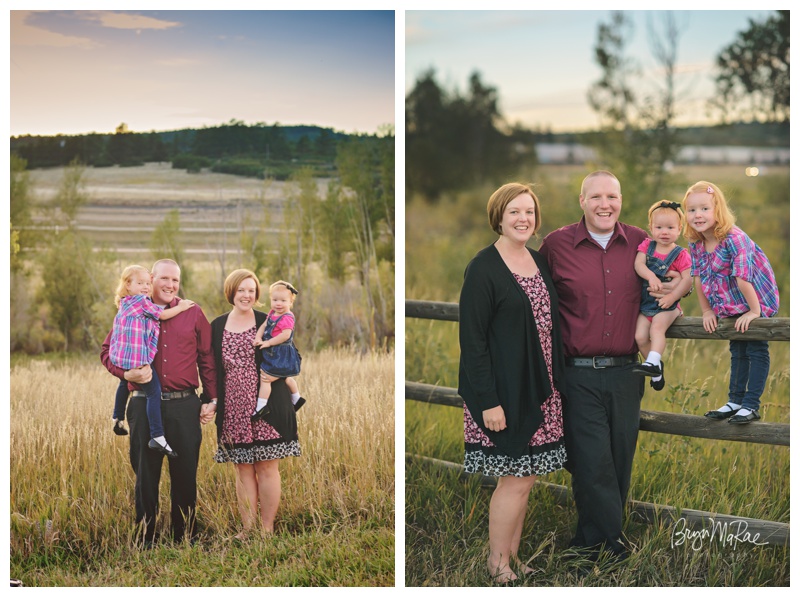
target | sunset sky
x=542, y=62
x=75, y=72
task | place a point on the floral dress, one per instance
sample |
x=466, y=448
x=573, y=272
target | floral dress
x=546, y=452
x=246, y=442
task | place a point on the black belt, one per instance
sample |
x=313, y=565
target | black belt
x=166, y=395
x=601, y=362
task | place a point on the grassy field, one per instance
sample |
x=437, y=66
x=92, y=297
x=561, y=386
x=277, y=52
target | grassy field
x=124, y=205
x=72, y=486
x=447, y=518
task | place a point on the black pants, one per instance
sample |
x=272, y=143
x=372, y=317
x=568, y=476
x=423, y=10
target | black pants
x=601, y=426
x=181, y=420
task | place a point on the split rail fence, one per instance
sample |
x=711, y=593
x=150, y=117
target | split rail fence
x=760, y=432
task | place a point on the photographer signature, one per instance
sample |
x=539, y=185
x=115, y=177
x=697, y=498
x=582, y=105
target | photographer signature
x=726, y=533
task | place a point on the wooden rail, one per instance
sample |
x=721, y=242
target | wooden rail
x=771, y=329
x=758, y=432
x=721, y=525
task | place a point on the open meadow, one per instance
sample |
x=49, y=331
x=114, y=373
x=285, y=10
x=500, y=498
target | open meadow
x=447, y=516
x=72, y=514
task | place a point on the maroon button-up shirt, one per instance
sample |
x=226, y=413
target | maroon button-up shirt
x=598, y=290
x=184, y=349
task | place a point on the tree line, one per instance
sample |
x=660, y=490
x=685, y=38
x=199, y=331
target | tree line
x=233, y=147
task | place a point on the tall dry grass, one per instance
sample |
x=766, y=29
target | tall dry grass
x=72, y=515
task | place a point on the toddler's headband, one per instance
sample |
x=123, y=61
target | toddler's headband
x=670, y=204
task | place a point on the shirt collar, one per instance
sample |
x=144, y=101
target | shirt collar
x=582, y=233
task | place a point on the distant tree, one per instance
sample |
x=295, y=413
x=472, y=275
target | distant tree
x=637, y=123
x=358, y=164
x=165, y=243
x=428, y=171
x=325, y=145
x=456, y=140
x=71, y=195
x=753, y=79
x=338, y=213
x=302, y=148
x=72, y=278
x=20, y=210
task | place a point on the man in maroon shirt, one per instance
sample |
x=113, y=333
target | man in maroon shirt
x=184, y=348
x=599, y=294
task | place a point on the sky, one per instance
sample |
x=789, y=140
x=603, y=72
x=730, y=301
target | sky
x=82, y=71
x=542, y=62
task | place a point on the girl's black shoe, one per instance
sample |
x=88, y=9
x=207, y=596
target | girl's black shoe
x=260, y=414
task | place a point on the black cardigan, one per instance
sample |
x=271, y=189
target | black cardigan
x=217, y=327
x=501, y=358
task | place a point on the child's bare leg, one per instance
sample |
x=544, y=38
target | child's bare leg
x=264, y=391
x=658, y=330
x=292, y=384
x=642, y=335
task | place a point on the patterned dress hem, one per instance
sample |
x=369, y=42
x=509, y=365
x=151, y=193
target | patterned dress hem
x=502, y=465
x=257, y=453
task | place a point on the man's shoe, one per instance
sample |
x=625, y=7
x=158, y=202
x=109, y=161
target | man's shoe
x=646, y=369
x=300, y=402
x=743, y=419
x=154, y=445
x=658, y=385
x=723, y=412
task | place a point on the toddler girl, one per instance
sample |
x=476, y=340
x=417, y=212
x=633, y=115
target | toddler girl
x=133, y=344
x=277, y=330
x=734, y=279
x=655, y=258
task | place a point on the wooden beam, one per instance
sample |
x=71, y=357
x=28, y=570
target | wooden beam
x=771, y=329
x=689, y=525
x=758, y=432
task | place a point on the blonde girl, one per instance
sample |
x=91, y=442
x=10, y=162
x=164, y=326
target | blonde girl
x=656, y=256
x=133, y=344
x=733, y=278
x=277, y=330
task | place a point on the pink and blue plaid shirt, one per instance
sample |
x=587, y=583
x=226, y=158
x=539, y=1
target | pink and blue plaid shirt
x=134, y=338
x=735, y=257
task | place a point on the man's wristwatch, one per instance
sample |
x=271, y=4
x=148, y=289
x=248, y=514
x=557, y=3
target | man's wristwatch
x=213, y=401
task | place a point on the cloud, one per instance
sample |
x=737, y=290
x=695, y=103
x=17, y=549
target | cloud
x=24, y=34
x=127, y=20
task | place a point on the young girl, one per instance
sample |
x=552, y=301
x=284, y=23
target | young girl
x=277, y=329
x=133, y=344
x=655, y=258
x=734, y=279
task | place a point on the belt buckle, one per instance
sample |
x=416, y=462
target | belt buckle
x=595, y=365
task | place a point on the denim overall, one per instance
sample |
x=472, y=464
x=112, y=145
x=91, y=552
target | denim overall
x=659, y=267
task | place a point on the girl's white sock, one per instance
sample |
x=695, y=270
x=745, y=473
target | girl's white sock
x=162, y=441
x=295, y=397
x=260, y=403
x=653, y=358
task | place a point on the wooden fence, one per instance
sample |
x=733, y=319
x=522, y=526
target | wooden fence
x=773, y=329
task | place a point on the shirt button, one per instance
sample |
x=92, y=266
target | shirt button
x=608, y=313
x=609, y=292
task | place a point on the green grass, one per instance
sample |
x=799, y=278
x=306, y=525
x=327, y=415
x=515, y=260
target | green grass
x=747, y=480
